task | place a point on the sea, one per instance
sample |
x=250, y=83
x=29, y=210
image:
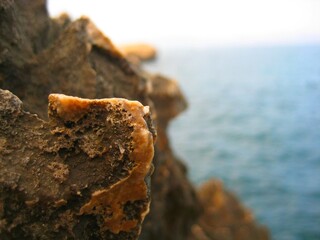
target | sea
x=253, y=121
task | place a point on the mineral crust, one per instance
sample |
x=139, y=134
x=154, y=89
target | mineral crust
x=81, y=175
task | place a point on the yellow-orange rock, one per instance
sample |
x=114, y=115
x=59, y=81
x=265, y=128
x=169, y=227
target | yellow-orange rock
x=140, y=51
x=224, y=217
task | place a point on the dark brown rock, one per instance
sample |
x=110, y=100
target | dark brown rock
x=76, y=59
x=174, y=207
x=81, y=175
x=79, y=63
x=178, y=211
x=69, y=172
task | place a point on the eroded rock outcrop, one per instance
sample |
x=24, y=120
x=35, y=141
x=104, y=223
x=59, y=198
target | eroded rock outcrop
x=224, y=217
x=174, y=206
x=80, y=175
x=79, y=172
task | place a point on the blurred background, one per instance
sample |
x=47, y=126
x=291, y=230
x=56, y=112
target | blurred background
x=250, y=71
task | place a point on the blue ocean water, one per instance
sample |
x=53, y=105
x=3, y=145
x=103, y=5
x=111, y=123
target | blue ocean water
x=254, y=122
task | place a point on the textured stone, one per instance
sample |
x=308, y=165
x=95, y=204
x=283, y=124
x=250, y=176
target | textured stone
x=53, y=168
x=75, y=59
x=81, y=175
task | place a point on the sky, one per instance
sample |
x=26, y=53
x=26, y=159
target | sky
x=200, y=22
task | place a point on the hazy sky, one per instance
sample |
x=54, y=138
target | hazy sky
x=200, y=22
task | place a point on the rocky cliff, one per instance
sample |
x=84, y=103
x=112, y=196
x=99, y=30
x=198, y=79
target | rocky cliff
x=79, y=167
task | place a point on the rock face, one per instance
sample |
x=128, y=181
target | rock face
x=174, y=206
x=80, y=175
x=82, y=172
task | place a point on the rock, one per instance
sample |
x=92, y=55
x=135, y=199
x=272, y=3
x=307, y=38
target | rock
x=224, y=217
x=168, y=99
x=179, y=210
x=63, y=175
x=73, y=58
x=139, y=51
x=78, y=63
x=81, y=175
x=21, y=25
x=174, y=206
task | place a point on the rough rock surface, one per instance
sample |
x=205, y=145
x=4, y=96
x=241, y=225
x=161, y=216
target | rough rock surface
x=40, y=56
x=224, y=217
x=74, y=58
x=80, y=175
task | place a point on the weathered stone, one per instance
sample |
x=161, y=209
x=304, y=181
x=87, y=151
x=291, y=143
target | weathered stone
x=73, y=58
x=174, y=207
x=63, y=172
x=168, y=99
x=81, y=175
x=224, y=217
